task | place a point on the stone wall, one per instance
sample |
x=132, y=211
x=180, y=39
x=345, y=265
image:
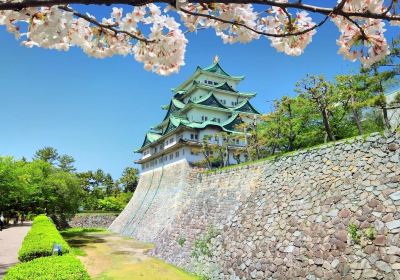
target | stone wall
x=155, y=203
x=95, y=220
x=286, y=218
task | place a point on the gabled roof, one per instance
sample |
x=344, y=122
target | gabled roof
x=245, y=106
x=209, y=100
x=214, y=69
x=225, y=86
x=231, y=123
x=150, y=138
x=174, y=106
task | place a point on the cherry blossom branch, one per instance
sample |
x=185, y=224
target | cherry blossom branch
x=110, y=27
x=287, y=34
x=16, y=6
x=364, y=36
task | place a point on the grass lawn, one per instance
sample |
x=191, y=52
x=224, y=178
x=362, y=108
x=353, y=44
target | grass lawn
x=108, y=256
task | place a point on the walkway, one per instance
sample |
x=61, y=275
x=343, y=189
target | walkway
x=10, y=241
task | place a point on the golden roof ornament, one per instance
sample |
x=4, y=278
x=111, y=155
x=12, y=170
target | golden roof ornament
x=216, y=59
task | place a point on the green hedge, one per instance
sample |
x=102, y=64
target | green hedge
x=66, y=267
x=40, y=239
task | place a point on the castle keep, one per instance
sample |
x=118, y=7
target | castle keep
x=205, y=104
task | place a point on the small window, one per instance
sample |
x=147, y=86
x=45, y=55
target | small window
x=177, y=154
x=183, y=151
x=210, y=82
x=215, y=83
x=196, y=136
x=171, y=156
x=191, y=136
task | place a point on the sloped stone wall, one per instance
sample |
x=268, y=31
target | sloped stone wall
x=288, y=218
x=155, y=202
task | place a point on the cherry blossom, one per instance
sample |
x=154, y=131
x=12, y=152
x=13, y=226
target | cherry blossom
x=156, y=37
x=362, y=38
x=280, y=23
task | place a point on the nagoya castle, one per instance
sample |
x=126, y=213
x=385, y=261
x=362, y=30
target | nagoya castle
x=205, y=104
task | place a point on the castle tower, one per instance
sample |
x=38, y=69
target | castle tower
x=205, y=104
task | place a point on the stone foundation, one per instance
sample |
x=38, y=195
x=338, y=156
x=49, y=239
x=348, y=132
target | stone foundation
x=286, y=218
x=96, y=220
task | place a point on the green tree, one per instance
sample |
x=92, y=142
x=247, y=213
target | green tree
x=129, y=179
x=47, y=154
x=66, y=163
x=320, y=92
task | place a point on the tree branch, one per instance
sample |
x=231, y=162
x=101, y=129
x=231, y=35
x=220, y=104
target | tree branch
x=104, y=26
x=252, y=29
x=337, y=10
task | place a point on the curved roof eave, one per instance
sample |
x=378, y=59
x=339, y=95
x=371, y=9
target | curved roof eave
x=243, y=103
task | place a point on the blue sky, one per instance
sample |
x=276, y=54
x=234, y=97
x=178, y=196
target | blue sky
x=99, y=110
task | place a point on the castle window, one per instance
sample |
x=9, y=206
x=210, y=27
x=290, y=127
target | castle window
x=215, y=83
x=196, y=136
x=177, y=154
x=171, y=156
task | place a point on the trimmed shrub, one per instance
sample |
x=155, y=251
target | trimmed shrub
x=66, y=267
x=40, y=240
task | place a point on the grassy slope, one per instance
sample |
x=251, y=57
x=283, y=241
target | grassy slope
x=110, y=257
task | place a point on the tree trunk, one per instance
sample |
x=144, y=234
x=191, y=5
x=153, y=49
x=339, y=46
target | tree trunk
x=356, y=117
x=357, y=120
x=386, y=118
x=327, y=125
x=292, y=136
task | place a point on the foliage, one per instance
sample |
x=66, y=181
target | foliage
x=37, y=187
x=103, y=193
x=202, y=245
x=129, y=179
x=370, y=233
x=353, y=231
x=114, y=203
x=40, y=240
x=181, y=241
x=50, y=184
x=66, y=267
x=47, y=154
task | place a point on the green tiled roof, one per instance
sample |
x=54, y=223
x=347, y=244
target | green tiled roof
x=150, y=138
x=245, y=106
x=176, y=116
x=216, y=68
x=174, y=106
x=209, y=100
x=225, y=86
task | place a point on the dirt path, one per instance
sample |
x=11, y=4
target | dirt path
x=107, y=256
x=10, y=241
